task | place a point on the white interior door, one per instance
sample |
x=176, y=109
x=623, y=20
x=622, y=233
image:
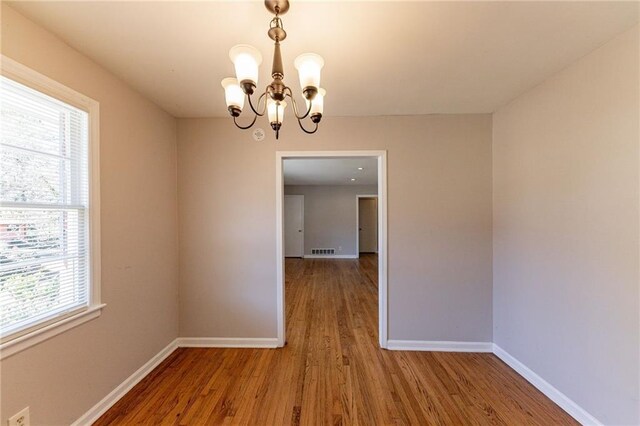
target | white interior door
x=368, y=225
x=294, y=225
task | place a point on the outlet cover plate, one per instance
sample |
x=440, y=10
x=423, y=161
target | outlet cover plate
x=20, y=419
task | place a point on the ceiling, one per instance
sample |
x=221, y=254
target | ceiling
x=382, y=57
x=331, y=171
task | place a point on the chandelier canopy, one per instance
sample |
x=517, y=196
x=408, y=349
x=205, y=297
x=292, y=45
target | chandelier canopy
x=247, y=59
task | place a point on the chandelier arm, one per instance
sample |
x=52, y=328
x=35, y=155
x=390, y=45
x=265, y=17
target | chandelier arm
x=264, y=110
x=264, y=95
x=295, y=105
x=309, y=132
x=255, y=117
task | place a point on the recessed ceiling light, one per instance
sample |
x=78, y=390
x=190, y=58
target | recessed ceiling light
x=353, y=179
x=360, y=168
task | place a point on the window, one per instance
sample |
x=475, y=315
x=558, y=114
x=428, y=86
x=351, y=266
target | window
x=48, y=259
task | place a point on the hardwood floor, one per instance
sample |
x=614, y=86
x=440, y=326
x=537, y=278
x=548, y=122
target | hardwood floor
x=332, y=371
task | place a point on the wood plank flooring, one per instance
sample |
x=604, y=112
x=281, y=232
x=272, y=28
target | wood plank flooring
x=332, y=371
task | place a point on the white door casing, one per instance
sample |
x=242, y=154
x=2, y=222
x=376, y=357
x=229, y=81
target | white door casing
x=381, y=156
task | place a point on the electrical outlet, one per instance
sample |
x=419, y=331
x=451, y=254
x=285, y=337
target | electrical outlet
x=20, y=419
x=339, y=248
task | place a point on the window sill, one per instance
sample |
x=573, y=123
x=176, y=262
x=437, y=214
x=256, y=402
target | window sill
x=40, y=335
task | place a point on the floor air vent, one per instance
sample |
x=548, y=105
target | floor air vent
x=321, y=251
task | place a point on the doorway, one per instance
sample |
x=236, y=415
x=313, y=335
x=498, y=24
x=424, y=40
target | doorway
x=294, y=226
x=282, y=206
x=367, y=224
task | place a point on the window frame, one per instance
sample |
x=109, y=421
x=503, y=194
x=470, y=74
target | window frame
x=44, y=330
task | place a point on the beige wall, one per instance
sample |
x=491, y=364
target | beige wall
x=566, y=231
x=439, y=195
x=330, y=215
x=60, y=379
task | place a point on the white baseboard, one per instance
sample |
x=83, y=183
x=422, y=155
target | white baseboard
x=224, y=342
x=330, y=256
x=114, y=396
x=435, y=346
x=563, y=401
x=182, y=342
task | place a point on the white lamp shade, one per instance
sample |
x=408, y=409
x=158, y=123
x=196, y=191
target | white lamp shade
x=274, y=109
x=246, y=60
x=309, y=66
x=233, y=94
x=317, y=105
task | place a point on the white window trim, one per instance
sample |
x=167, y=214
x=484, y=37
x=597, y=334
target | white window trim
x=24, y=75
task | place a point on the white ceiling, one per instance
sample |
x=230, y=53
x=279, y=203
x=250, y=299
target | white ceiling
x=382, y=57
x=330, y=171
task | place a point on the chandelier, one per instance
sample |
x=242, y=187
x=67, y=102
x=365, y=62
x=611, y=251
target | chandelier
x=246, y=60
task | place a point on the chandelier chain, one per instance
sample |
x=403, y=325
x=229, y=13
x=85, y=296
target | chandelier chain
x=276, y=23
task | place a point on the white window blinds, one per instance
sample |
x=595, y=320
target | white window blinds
x=44, y=229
